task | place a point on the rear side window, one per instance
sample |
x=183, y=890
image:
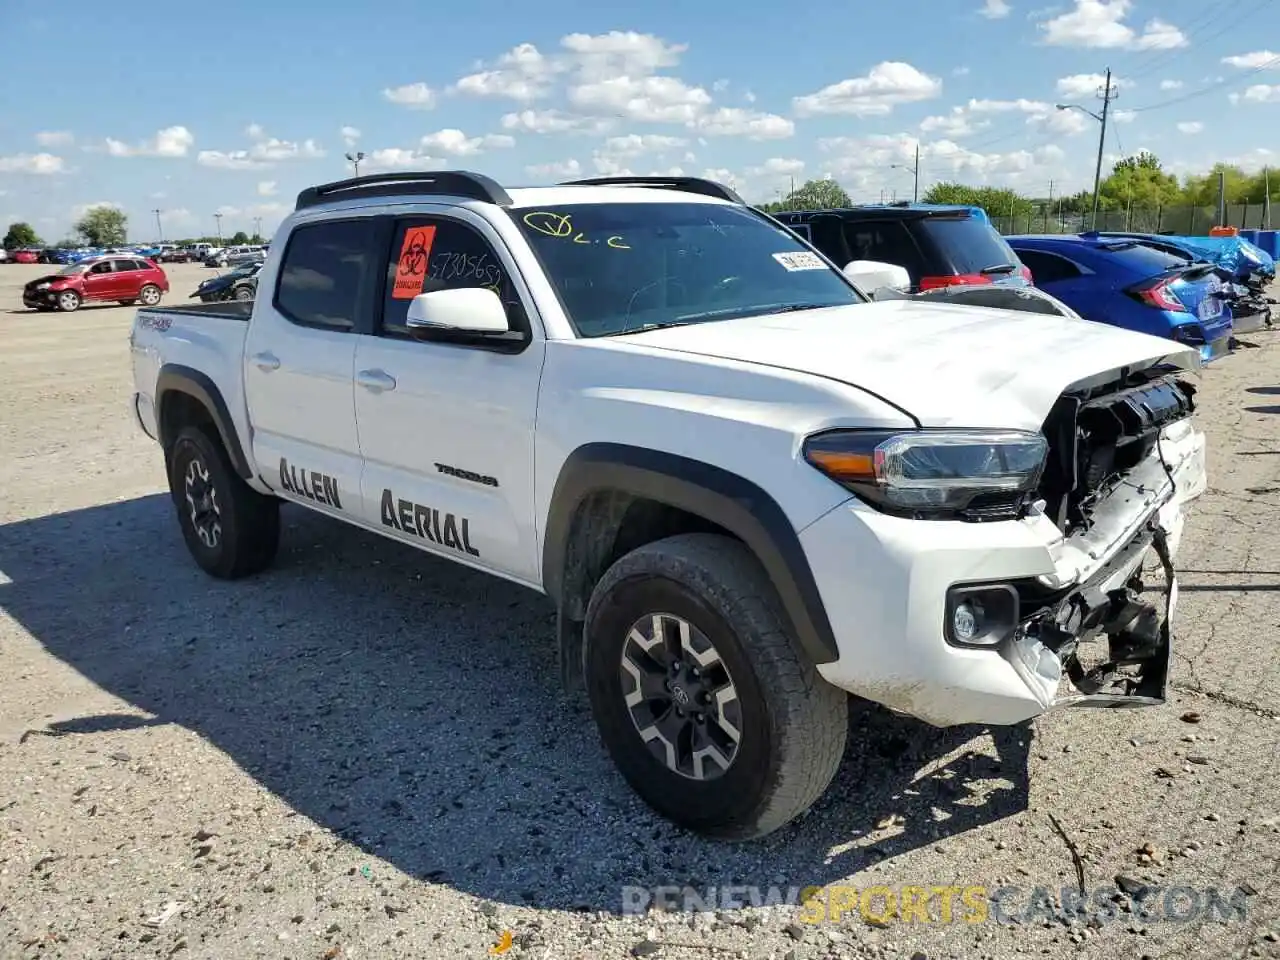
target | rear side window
x=326, y=269
x=1048, y=267
x=967, y=244
x=888, y=241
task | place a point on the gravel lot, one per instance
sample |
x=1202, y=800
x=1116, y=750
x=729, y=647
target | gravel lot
x=365, y=753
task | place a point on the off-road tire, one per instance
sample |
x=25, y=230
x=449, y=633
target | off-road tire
x=793, y=723
x=249, y=522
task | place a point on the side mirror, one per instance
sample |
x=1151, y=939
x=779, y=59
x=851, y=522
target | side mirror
x=872, y=275
x=473, y=310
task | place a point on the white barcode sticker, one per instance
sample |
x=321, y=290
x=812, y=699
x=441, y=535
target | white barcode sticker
x=800, y=261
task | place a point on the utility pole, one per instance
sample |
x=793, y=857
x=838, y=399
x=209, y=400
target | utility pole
x=159, y=225
x=257, y=227
x=1266, y=198
x=915, y=172
x=1049, y=209
x=218, y=217
x=1107, y=97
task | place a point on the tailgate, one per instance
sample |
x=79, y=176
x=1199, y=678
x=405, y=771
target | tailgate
x=1204, y=291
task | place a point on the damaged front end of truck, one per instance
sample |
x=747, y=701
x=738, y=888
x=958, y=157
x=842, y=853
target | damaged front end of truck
x=1124, y=463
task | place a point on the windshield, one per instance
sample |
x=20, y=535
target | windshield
x=624, y=267
x=970, y=245
x=72, y=270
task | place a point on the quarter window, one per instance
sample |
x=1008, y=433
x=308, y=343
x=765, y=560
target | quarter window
x=326, y=269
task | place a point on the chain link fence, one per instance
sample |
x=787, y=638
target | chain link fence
x=1187, y=221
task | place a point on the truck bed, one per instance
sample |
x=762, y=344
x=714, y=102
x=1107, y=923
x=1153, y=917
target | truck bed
x=227, y=309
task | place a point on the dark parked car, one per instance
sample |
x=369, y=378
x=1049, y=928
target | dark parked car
x=238, y=284
x=940, y=246
x=123, y=279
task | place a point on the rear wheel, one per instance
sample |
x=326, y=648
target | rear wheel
x=68, y=301
x=149, y=295
x=243, y=293
x=231, y=530
x=702, y=697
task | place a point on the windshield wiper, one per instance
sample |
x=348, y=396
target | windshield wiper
x=998, y=268
x=725, y=313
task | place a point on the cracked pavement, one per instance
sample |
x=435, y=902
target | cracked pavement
x=365, y=753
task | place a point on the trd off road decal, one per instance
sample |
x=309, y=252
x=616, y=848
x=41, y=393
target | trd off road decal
x=441, y=528
x=319, y=487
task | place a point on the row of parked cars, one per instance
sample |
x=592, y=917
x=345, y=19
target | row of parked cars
x=206, y=253
x=1197, y=290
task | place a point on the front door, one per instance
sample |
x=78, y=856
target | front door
x=446, y=430
x=101, y=281
x=298, y=364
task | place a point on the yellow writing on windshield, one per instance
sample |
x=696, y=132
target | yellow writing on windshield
x=553, y=224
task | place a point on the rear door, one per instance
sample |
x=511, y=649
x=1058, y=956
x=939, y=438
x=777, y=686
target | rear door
x=299, y=353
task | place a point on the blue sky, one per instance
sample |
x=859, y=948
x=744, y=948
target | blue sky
x=233, y=107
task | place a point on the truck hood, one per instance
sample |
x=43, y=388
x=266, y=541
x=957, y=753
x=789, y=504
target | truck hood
x=945, y=365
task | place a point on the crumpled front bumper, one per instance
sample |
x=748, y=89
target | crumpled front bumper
x=885, y=583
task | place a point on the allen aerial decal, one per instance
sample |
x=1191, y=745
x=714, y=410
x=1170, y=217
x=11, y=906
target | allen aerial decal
x=428, y=524
x=309, y=484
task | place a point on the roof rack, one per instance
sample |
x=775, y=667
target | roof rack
x=699, y=185
x=452, y=183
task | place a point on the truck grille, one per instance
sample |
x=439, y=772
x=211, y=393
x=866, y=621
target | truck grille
x=1096, y=437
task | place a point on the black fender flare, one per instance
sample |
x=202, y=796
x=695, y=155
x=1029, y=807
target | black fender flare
x=176, y=378
x=724, y=498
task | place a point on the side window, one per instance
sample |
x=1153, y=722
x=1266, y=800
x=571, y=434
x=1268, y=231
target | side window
x=327, y=267
x=100, y=268
x=1046, y=267
x=130, y=265
x=803, y=230
x=435, y=253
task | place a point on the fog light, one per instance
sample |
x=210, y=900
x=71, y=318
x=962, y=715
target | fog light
x=980, y=615
x=966, y=622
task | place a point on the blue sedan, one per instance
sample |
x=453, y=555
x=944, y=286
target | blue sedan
x=1126, y=283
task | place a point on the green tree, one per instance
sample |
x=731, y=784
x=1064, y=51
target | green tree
x=813, y=195
x=67, y=243
x=239, y=238
x=103, y=227
x=21, y=235
x=1203, y=191
x=1139, y=182
x=996, y=201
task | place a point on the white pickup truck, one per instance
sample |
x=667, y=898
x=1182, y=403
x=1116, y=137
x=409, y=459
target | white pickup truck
x=750, y=488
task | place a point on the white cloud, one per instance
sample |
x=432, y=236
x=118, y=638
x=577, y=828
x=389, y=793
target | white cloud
x=560, y=170
x=1087, y=84
x=55, y=138
x=228, y=160
x=80, y=210
x=1251, y=61
x=523, y=73
x=553, y=121
x=350, y=136
x=273, y=150
x=634, y=144
x=720, y=86
x=1021, y=105
x=1262, y=93
x=38, y=163
x=455, y=143
x=1069, y=123
x=651, y=99
x=169, y=142
x=620, y=54
x=995, y=9
x=416, y=96
x=1170, y=84
x=1100, y=24
x=1190, y=126
x=1124, y=116
x=885, y=86
x=267, y=188
x=254, y=131
x=960, y=72
x=777, y=167
x=265, y=152
x=752, y=124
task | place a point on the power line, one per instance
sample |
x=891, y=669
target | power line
x=1227, y=22
x=1217, y=85
x=1166, y=56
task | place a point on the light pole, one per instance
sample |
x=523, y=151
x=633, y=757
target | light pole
x=218, y=217
x=915, y=172
x=355, y=159
x=159, y=225
x=257, y=227
x=1107, y=95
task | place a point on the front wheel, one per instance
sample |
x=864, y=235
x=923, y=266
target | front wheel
x=149, y=295
x=231, y=530
x=243, y=293
x=703, y=699
x=68, y=301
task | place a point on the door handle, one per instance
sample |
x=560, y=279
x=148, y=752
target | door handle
x=376, y=380
x=266, y=361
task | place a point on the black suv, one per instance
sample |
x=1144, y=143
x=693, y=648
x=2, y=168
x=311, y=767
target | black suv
x=940, y=246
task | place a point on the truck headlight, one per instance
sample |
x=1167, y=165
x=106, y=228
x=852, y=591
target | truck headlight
x=934, y=474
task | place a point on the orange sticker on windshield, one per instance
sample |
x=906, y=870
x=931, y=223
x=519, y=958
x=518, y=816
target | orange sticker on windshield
x=411, y=268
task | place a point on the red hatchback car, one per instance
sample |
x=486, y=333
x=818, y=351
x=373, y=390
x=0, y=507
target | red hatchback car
x=122, y=279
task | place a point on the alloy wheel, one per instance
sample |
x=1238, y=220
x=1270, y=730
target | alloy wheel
x=202, y=503
x=681, y=697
